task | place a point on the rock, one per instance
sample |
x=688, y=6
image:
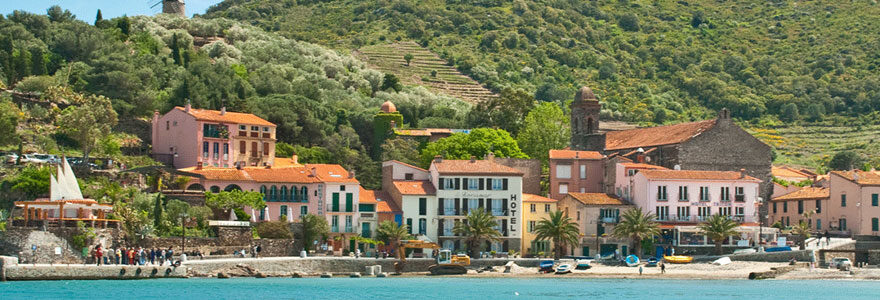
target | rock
x=260, y=275
x=222, y=275
x=296, y=275
x=382, y=275
x=355, y=275
x=326, y=275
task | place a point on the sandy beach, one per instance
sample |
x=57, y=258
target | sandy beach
x=734, y=270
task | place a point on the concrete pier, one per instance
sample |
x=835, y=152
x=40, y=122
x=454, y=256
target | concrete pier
x=15, y=271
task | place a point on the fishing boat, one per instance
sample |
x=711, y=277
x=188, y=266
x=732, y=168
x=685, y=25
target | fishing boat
x=632, y=260
x=678, y=259
x=778, y=249
x=652, y=262
x=744, y=251
x=545, y=266
x=582, y=264
x=563, y=269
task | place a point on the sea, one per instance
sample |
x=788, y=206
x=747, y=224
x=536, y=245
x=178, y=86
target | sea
x=438, y=288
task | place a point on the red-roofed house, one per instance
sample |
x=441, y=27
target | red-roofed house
x=575, y=171
x=185, y=137
x=596, y=215
x=854, y=205
x=793, y=205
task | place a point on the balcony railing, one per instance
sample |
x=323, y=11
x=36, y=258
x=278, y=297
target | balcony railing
x=698, y=218
x=349, y=229
x=367, y=215
x=740, y=198
x=610, y=220
x=334, y=228
x=464, y=212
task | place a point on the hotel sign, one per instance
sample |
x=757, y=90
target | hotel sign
x=513, y=207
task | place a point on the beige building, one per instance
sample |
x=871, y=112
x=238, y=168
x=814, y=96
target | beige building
x=789, y=209
x=535, y=209
x=596, y=215
x=854, y=206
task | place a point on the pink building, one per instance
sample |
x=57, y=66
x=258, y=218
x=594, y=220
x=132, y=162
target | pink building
x=689, y=196
x=854, y=206
x=789, y=209
x=624, y=174
x=185, y=137
x=575, y=172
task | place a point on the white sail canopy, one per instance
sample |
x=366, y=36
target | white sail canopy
x=64, y=186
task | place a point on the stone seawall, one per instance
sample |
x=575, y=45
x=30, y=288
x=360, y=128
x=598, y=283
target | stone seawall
x=317, y=265
x=14, y=271
x=785, y=256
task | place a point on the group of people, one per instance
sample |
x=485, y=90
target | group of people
x=133, y=256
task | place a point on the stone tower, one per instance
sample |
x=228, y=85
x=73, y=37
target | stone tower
x=585, y=122
x=175, y=7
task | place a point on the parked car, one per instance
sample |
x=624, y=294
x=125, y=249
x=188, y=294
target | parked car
x=48, y=158
x=9, y=157
x=33, y=159
x=840, y=263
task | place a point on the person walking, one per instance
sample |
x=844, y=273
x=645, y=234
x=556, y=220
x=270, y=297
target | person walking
x=641, y=270
x=99, y=254
x=152, y=256
x=827, y=238
x=118, y=256
x=161, y=257
x=258, y=250
x=662, y=268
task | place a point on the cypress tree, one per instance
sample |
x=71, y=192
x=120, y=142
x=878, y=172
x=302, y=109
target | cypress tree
x=98, y=17
x=157, y=211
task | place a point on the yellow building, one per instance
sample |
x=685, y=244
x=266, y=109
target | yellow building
x=535, y=208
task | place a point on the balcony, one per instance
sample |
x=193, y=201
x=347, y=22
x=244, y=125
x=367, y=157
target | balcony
x=610, y=220
x=682, y=218
x=334, y=228
x=367, y=215
x=348, y=229
x=740, y=198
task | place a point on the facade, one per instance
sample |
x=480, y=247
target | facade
x=790, y=208
x=687, y=196
x=624, y=175
x=596, y=215
x=575, y=171
x=854, y=206
x=712, y=145
x=535, y=209
x=175, y=7
x=185, y=137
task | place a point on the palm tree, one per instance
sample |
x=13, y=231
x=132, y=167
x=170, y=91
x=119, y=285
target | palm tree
x=718, y=228
x=560, y=229
x=390, y=233
x=479, y=225
x=803, y=229
x=637, y=226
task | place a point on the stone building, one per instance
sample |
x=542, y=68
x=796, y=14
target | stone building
x=712, y=145
x=174, y=7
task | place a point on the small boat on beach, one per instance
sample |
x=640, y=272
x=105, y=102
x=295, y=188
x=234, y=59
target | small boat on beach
x=582, y=264
x=778, y=249
x=563, y=269
x=721, y=261
x=678, y=259
x=632, y=260
x=652, y=262
x=744, y=251
x=545, y=266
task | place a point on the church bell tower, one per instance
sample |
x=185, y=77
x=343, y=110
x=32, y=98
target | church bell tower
x=585, y=122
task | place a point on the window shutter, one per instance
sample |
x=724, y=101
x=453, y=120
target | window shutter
x=488, y=183
x=481, y=184
x=457, y=206
x=464, y=204
x=440, y=228
x=504, y=184
x=504, y=206
x=481, y=203
x=439, y=206
x=458, y=183
x=504, y=231
x=442, y=183
x=488, y=204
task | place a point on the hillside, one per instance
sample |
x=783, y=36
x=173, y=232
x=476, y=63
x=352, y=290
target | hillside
x=813, y=145
x=426, y=69
x=649, y=61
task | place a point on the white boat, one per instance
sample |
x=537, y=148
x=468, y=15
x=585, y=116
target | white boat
x=583, y=264
x=744, y=251
x=632, y=260
x=563, y=269
x=721, y=261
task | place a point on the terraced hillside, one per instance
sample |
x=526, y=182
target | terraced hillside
x=813, y=144
x=448, y=80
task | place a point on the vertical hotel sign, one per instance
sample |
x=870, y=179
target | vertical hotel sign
x=513, y=208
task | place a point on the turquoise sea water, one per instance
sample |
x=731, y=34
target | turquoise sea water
x=438, y=288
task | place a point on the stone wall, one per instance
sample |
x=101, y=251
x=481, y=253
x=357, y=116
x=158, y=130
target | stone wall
x=19, y=242
x=785, y=256
x=874, y=257
x=531, y=169
x=81, y=272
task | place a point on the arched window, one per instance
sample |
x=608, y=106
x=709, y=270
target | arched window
x=263, y=191
x=195, y=187
x=273, y=194
x=304, y=195
x=283, y=193
x=232, y=187
x=215, y=189
x=589, y=125
x=293, y=192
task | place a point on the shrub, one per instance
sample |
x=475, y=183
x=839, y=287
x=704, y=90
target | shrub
x=274, y=230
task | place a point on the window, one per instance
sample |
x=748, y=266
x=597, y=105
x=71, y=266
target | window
x=283, y=195
x=349, y=202
x=843, y=200
x=800, y=206
x=531, y=226
x=167, y=125
x=408, y=176
x=704, y=193
x=842, y=224
x=563, y=188
x=225, y=150
x=875, y=224
x=684, y=213
x=683, y=193
x=740, y=194
x=265, y=148
x=631, y=172
x=282, y=215
x=583, y=171
x=263, y=191
x=725, y=194
x=784, y=207
x=423, y=206
x=303, y=210
x=875, y=200
x=740, y=211
x=216, y=151
x=662, y=213
x=818, y=224
x=266, y=129
x=348, y=223
x=273, y=194
x=304, y=195
x=409, y=225
x=447, y=183
x=579, y=215
x=473, y=204
x=661, y=193
x=254, y=151
x=818, y=206
x=563, y=171
x=532, y=207
x=473, y=184
x=546, y=207
x=334, y=204
x=242, y=127
x=262, y=215
x=704, y=213
x=334, y=224
x=423, y=226
x=497, y=184
x=255, y=128
x=214, y=131
x=774, y=207
x=205, y=147
x=724, y=211
x=242, y=147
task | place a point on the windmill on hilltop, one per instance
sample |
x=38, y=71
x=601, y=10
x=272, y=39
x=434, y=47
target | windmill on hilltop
x=176, y=7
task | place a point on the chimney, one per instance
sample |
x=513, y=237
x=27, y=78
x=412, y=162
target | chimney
x=491, y=156
x=742, y=173
x=188, y=106
x=438, y=158
x=473, y=159
x=223, y=111
x=199, y=166
x=314, y=172
x=577, y=154
x=351, y=174
x=295, y=158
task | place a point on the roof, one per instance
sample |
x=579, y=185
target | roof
x=387, y=206
x=366, y=196
x=642, y=166
x=806, y=193
x=597, y=199
x=303, y=174
x=655, y=136
x=788, y=172
x=415, y=187
x=860, y=177
x=473, y=167
x=285, y=162
x=695, y=175
x=572, y=154
x=228, y=117
x=406, y=164
x=536, y=198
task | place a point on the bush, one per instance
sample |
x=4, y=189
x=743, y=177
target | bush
x=274, y=230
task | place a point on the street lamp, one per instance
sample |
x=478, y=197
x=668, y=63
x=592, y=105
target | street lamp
x=183, y=218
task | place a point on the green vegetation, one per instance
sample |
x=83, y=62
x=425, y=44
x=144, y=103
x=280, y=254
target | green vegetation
x=391, y=234
x=545, y=128
x=636, y=226
x=235, y=200
x=478, y=227
x=718, y=228
x=315, y=227
x=478, y=142
x=274, y=230
x=560, y=229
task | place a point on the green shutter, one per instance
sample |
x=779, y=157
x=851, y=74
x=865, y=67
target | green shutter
x=335, y=202
x=874, y=200
x=349, y=202
x=875, y=224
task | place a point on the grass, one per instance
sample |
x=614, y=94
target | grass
x=448, y=80
x=811, y=145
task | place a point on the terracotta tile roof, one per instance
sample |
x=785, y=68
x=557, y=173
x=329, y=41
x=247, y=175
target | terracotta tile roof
x=537, y=198
x=572, y=154
x=406, y=164
x=283, y=162
x=302, y=174
x=228, y=117
x=366, y=196
x=475, y=167
x=220, y=174
x=596, y=199
x=642, y=166
x=655, y=136
x=387, y=207
x=806, y=193
x=860, y=177
x=415, y=187
x=695, y=175
x=331, y=173
x=788, y=172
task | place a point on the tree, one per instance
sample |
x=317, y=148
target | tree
x=391, y=233
x=401, y=149
x=391, y=82
x=56, y=14
x=283, y=149
x=815, y=112
x=158, y=208
x=504, y=112
x=408, y=57
x=98, y=17
x=790, y=112
x=718, y=228
x=560, y=229
x=845, y=160
x=479, y=226
x=88, y=121
x=32, y=181
x=477, y=143
x=546, y=127
x=629, y=22
x=637, y=226
x=698, y=18
x=274, y=230
x=234, y=199
x=124, y=25
x=9, y=116
x=314, y=227
x=803, y=229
